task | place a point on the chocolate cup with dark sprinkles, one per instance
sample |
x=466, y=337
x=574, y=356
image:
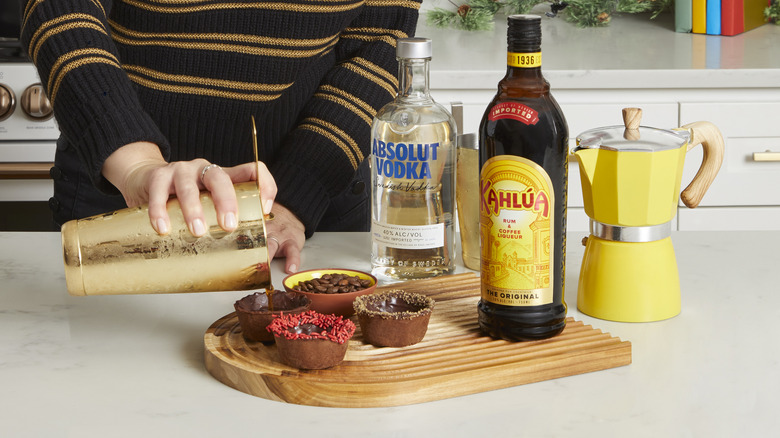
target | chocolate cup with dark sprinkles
x=393, y=318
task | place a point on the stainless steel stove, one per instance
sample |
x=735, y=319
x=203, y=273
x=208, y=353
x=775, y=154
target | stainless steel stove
x=28, y=135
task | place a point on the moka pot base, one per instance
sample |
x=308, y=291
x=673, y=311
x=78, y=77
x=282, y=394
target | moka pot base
x=628, y=281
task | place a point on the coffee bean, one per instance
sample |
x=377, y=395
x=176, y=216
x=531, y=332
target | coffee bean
x=333, y=284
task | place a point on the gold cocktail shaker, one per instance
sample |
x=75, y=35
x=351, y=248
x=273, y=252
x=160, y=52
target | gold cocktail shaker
x=120, y=252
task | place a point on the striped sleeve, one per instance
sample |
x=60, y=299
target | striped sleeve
x=94, y=102
x=335, y=126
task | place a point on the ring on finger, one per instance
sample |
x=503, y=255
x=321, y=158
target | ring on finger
x=274, y=239
x=206, y=169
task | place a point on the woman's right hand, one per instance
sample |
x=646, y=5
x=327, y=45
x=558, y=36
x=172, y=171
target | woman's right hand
x=143, y=176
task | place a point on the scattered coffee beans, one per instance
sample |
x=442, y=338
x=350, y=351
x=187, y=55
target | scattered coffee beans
x=333, y=284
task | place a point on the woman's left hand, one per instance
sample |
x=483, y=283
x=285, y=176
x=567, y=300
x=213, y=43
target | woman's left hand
x=285, y=237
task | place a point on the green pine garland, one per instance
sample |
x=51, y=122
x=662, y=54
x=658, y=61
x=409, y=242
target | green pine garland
x=479, y=14
x=466, y=17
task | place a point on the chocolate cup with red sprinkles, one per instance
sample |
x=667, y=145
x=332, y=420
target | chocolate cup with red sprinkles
x=311, y=340
x=254, y=314
x=393, y=318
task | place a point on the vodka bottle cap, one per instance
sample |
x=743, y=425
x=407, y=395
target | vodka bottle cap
x=414, y=48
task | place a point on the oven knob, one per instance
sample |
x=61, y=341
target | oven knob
x=35, y=103
x=7, y=102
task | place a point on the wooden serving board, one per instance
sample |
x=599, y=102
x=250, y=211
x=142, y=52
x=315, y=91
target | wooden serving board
x=453, y=359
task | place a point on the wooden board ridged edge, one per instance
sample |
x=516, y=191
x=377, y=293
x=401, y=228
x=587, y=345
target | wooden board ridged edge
x=453, y=359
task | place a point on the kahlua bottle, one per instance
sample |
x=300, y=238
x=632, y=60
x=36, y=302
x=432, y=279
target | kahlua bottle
x=523, y=141
x=412, y=175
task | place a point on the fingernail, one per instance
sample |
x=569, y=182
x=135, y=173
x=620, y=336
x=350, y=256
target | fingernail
x=293, y=268
x=197, y=228
x=230, y=221
x=267, y=205
x=162, y=226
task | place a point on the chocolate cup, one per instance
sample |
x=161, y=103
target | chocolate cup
x=310, y=354
x=391, y=332
x=254, y=316
x=384, y=324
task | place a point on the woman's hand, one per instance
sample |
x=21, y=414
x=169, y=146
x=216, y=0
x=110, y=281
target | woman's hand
x=141, y=174
x=286, y=236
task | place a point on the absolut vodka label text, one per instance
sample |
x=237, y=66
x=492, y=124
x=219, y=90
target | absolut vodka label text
x=404, y=160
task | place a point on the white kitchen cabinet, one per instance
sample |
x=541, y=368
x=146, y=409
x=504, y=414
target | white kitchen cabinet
x=746, y=192
x=729, y=218
x=747, y=128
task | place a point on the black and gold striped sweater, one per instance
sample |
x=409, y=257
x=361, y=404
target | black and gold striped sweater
x=188, y=74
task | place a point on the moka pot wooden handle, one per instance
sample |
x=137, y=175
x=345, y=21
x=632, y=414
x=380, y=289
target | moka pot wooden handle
x=709, y=137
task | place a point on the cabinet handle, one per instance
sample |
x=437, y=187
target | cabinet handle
x=766, y=156
x=25, y=170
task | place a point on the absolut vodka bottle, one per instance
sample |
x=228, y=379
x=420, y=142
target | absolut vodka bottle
x=412, y=182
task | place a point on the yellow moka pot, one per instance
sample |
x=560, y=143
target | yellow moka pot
x=630, y=184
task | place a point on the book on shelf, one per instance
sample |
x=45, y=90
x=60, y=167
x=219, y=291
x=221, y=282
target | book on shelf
x=719, y=17
x=732, y=18
x=699, y=16
x=682, y=16
x=713, y=17
x=753, y=13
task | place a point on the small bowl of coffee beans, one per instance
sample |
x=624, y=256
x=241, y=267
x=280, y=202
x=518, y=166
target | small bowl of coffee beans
x=331, y=291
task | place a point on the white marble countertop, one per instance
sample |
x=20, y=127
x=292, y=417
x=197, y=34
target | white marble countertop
x=633, y=52
x=132, y=365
